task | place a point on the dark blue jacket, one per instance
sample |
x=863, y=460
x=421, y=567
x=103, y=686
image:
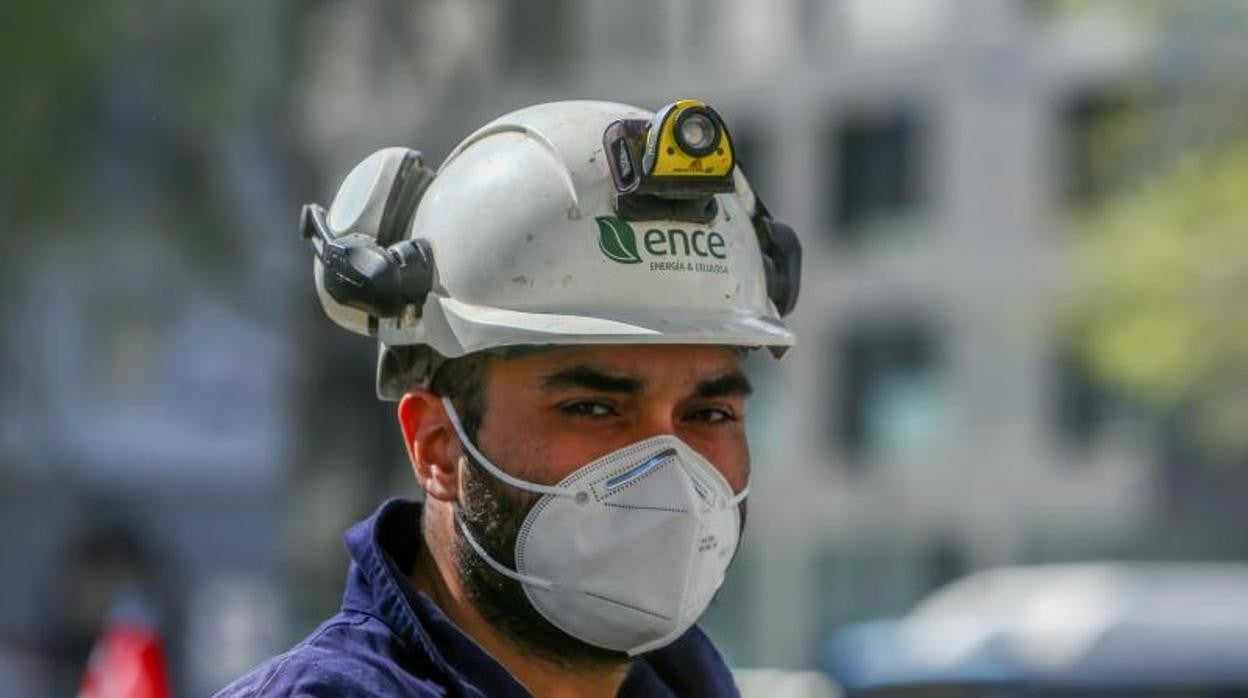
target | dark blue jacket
x=389, y=639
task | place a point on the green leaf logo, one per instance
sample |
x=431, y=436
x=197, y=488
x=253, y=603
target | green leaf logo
x=617, y=240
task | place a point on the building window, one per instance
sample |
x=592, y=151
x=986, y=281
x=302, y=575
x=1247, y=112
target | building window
x=878, y=162
x=1085, y=406
x=1081, y=404
x=542, y=37
x=1103, y=137
x=890, y=391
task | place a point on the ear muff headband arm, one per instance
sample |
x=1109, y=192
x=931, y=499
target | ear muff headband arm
x=410, y=182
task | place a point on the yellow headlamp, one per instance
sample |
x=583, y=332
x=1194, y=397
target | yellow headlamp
x=687, y=139
x=683, y=153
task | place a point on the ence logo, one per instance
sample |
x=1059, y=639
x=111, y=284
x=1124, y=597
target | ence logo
x=666, y=250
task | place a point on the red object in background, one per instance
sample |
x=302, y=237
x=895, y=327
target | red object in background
x=128, y=661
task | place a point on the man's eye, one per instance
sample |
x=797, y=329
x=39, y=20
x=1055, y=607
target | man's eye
x=588, y=408
x=713, y=415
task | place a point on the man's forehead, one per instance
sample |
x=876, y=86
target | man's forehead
x=643, y=364
x=632, y=355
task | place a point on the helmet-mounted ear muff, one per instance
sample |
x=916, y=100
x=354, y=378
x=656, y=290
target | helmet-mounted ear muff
x=367, y=268
x=361, y=274
x=672, y=165
x=782, y=259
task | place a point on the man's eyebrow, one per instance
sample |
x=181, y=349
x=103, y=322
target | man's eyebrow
x=592, y=378
x=728, y=384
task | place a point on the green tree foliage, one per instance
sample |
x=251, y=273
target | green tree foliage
x=1162, y=312
x=50, y=58
x=140, y=120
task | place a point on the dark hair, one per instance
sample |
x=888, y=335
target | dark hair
x=463, y=381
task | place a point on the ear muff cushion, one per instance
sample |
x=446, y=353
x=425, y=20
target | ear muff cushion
x=784, y=278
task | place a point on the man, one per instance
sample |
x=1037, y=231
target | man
x=572, y=400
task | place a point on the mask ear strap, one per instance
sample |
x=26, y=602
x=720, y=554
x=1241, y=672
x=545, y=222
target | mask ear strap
x=495, y=564
x=733, y=500
x=494, y=470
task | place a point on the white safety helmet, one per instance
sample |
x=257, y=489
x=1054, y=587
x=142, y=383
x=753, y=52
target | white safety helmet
x=562, y=223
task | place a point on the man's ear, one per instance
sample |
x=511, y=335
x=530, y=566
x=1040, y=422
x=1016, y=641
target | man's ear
x=431, y=443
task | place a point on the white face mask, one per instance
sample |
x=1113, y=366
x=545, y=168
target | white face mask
x=627, y=551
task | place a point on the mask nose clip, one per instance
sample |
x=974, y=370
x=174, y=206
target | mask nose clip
x=640, y=470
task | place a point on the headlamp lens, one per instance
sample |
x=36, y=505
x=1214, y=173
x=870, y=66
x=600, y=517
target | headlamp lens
x=697, y=133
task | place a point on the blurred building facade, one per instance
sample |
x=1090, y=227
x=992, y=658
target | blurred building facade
x=147, y=428
x=930, y=422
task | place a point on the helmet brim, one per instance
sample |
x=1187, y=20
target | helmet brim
x=454, y=328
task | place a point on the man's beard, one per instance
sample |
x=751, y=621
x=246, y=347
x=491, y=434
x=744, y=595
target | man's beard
x=495, y=512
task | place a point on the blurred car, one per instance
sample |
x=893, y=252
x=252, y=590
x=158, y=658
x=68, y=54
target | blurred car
x=782, y=683
x=1147, y=629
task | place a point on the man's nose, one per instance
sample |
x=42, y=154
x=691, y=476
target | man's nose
x=659, y=420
